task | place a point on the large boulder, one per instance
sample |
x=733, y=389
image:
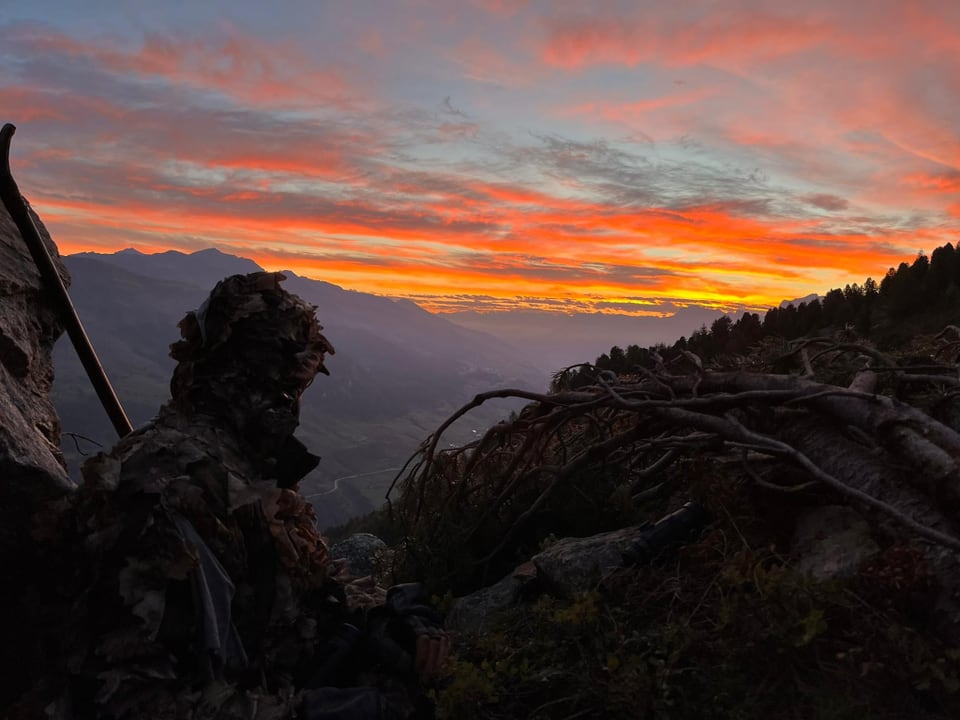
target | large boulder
x=575, y=565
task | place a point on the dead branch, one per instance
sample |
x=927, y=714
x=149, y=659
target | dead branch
x=656, y=467
x=760, y=482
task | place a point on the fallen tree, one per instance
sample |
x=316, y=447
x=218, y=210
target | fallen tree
x=886, y=455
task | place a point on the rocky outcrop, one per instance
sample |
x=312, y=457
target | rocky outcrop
x=32, y=469
x=31, y=466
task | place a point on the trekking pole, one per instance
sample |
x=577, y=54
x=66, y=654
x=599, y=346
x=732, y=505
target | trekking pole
x=17, y=207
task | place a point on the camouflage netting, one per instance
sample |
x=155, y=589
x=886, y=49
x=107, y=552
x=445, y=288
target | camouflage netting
x=246, y=356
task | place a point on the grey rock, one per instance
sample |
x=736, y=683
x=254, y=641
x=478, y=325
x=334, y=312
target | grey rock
x=567, y=567
x=575, y=565
x=363, y=552
x=474, y=613
x=832, y=542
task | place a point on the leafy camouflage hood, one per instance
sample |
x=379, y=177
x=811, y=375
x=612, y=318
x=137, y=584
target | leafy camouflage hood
x=246, y=356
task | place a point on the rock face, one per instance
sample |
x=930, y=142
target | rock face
x=32, y=470
x=31, y=465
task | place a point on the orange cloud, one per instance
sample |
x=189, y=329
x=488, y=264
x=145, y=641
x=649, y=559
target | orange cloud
x=500, y=246
x=946, y=182
x=503, y=8
x=638, y=109
x=26, y=105
x=728, y=39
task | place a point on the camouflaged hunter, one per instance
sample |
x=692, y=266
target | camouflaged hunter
x=205, y=590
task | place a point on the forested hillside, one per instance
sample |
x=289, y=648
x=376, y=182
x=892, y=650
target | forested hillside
x=911, y=298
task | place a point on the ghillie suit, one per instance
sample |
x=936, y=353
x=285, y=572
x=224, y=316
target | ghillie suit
x=201, y=587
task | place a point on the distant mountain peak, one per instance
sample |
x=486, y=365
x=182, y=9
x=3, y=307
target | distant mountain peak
x=203, y=268
x=131, y=252
x=796, y=302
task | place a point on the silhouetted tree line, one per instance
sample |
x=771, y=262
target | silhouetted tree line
x=923, y=294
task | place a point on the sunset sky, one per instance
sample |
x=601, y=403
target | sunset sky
x=623, y=157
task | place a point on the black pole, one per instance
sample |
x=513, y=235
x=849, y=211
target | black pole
x=17, y=207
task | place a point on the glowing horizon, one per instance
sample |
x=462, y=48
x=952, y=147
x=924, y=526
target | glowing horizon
x=500, y=154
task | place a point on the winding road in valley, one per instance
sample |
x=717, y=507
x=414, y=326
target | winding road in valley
x=336, y=481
